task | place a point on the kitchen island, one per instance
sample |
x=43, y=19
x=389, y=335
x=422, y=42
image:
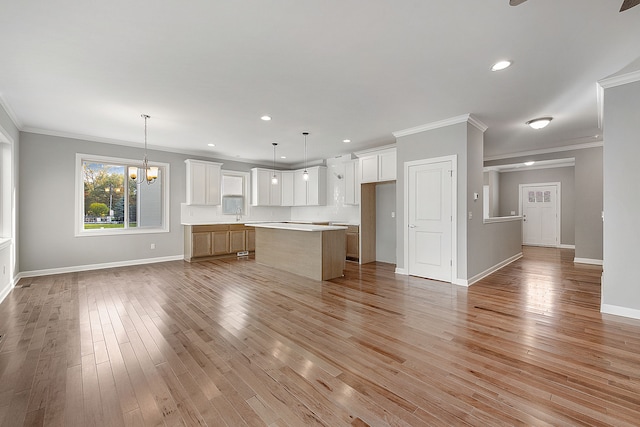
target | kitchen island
x=314, y=251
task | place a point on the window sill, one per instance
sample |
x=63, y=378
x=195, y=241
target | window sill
x=119, y=232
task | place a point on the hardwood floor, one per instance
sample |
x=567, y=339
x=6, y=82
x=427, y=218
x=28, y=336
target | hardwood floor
x=230, y=342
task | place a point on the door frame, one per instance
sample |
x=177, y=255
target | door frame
x=558, y=206
x=454, y=211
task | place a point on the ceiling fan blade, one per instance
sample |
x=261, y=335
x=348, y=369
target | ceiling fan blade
x=517, y=2
x=628, y=4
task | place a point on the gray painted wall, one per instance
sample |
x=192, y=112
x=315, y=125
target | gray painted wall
x=589, y=202
x=47, y=203
x=621, y=287
x=487, y=244
x=588, y=196
x=438, y=142
x=509, y=195
x=385, y=224
x=473, y=235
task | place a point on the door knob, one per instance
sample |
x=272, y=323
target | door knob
x=412, y=226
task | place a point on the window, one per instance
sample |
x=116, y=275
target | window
x=109, y=202
x=234, y=191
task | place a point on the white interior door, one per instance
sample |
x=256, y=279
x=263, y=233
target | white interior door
x=540, y=215
x=430, y=220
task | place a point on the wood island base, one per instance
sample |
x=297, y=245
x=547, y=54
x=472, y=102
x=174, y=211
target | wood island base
x=313, y=251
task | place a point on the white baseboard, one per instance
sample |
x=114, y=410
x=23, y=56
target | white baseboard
x=401, y=271
x=620, y=311
x=460, y=282
x=73, y=269
x=587, y=261
x=493, y=269
x=567, y=246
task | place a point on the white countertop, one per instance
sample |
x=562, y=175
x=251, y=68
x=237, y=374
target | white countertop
x=297, y=227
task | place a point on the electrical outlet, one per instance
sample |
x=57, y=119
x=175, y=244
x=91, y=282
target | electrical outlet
x=470, y=215
x=153, y=246
x=393, y=214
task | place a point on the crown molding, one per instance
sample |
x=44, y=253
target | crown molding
x=10, y=112
x=620, y=80
x=130, y=144
x=546, y=151
x=470, y=118
x=563, y=163
x=367, y=151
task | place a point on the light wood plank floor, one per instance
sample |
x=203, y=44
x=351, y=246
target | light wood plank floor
x=235, y=343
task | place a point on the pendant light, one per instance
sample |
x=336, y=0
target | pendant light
x=305, y=173
x=274, y=178
x=150, y=173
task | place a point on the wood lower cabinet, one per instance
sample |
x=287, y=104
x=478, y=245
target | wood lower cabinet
x=353, y=242
x=219, y=242
x=202, y=241
x=250, y=239
x=237, y=238
x=201, y=245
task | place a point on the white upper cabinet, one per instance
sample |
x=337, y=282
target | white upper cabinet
x=288, y=178
x=312, y=192
x=351, y=183
x=378, y=165
x=263, y=191
x=203, y=182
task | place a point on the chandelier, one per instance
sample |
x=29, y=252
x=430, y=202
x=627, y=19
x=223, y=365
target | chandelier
x=149, y=173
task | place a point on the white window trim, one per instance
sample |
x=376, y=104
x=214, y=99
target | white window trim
x=246, y=188
x=79, y=199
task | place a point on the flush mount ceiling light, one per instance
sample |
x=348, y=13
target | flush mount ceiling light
x=539, y=123
x=149, y=173
x=265, y=118
x=274, y=178
x=501, y=65
x=346, y=141
x=211, y=145
x=305, y=173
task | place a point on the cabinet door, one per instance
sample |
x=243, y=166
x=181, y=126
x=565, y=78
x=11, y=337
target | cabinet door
x=351, y=183
x=287, y=187
x=264, y=192
x=312, y=187
x=387, y=166
x=299, y=189
x=212, y=187
x=219, y=242
x=203, y=182
x=353, y=243
x=275, y=190
x=196, y=183
x=261, y=182
x=369, y=168
x=201, y=244
x=251, y=239
x=237, y=241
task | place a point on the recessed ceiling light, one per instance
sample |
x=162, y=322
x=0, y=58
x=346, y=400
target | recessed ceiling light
x=528, y=163
x=539, y=123
x=346, y=141
x=266, y=118
x=501, y=65
x=211, y=145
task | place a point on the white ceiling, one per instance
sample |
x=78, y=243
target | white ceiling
x=205, y=70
